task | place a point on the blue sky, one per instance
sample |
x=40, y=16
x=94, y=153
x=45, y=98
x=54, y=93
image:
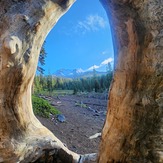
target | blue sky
x=80, y=39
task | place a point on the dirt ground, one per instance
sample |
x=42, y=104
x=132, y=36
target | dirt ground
x=85, y=115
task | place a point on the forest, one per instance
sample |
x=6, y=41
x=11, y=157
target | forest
x=50, y=83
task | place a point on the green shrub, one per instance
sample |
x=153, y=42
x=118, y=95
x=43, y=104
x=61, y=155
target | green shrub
x=42, y=107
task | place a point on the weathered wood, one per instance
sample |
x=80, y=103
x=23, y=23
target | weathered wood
x=133, y=129
x=23, y=28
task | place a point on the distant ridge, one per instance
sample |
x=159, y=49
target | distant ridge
x=76, y=73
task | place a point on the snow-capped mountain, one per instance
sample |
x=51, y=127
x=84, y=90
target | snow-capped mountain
x=68, y=73
x=99, y=69
x=75, y=73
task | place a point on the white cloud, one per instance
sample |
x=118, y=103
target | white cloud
x=102, y=64
x=106, y=61
x=93, y=67
x=91, y=23
x=83, y=25
x=95, y=21
x=104, y=52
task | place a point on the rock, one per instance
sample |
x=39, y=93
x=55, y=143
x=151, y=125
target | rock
x=61, y=118
x=58, y=102
x=95, y=136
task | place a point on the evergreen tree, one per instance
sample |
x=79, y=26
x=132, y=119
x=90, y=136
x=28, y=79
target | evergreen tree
x=97, y=86
x=49, y=83
x=42, y=57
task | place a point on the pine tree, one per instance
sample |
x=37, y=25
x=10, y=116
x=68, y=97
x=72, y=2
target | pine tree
x=42, y=57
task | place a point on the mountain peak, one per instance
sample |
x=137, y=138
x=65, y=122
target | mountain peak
x=75, y=73
x=79, y=70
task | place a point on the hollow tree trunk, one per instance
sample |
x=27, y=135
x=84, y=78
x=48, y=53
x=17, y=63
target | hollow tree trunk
x=23, y=28
x=133, y=130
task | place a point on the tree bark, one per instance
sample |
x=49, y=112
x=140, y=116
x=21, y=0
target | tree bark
x=23, y=28
x=133, y=130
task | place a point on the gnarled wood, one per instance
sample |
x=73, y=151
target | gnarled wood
x=23, y=28
x=133, y=128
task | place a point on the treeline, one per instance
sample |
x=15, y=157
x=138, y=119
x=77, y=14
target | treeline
x=49, y=83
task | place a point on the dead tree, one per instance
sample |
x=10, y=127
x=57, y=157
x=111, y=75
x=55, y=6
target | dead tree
x=23, y=28
x=133, y=130
x=133, y=127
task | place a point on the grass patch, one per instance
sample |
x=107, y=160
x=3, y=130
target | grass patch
x=55, y=93
x=63, y=92
x=42, y=107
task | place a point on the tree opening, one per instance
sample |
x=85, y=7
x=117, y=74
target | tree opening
x=133, y=128
x=78, y=74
